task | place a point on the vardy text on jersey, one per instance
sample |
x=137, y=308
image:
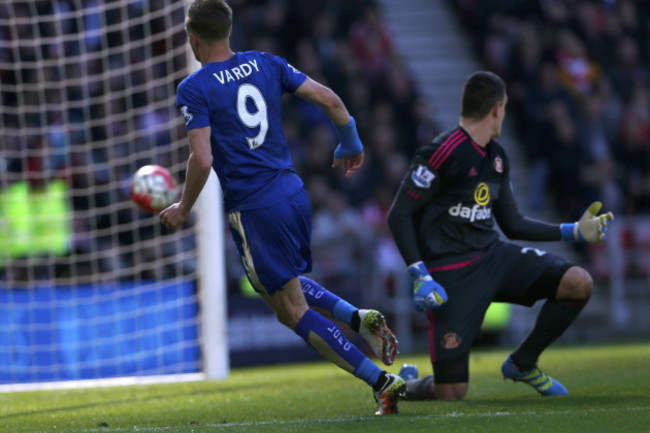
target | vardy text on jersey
x=237, y=73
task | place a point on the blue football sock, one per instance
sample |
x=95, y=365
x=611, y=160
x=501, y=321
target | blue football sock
x=328, y=340
x=327, y=302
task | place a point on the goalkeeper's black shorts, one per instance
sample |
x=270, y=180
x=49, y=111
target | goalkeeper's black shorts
x=505, y=273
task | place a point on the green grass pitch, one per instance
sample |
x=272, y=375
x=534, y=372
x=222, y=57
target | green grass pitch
x=609, y=392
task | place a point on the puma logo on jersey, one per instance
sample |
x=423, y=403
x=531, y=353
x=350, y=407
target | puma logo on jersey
x=236, y=73
x=474, y=213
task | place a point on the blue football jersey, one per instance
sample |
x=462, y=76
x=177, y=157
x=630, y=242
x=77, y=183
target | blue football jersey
x=241, y=100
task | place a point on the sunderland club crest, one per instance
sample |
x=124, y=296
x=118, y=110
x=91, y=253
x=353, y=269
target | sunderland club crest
x=498, y=164
x=450, y=340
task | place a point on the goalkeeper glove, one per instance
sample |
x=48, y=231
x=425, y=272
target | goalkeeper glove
x=591, y=227
x=427, y=293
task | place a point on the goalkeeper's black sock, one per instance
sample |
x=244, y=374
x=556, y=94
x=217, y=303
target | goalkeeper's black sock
x=554, y=318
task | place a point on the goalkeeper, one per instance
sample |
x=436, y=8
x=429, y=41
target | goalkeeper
x=443, y=221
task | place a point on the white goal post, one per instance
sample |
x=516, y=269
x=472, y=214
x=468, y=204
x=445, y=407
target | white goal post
x=93, y=290
x=212, y=282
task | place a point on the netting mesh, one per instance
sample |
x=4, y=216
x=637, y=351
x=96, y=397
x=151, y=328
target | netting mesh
x=91, y=286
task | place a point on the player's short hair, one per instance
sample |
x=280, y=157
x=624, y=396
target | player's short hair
x=481, y=91
x=210, y=20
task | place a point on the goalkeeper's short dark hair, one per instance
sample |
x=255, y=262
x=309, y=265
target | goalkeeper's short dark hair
x=481, y=91
x=210, y=20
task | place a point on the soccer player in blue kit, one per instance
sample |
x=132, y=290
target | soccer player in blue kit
x=232, y=110
x=442, y=220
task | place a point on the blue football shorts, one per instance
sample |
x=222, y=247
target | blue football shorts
x=274, y=242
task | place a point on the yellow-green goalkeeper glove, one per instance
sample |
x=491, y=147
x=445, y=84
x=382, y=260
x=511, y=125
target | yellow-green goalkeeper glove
x=591, y=227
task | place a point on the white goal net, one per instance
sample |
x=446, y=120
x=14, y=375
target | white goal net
x=91, y=287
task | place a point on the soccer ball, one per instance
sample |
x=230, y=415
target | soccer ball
x=153, y=188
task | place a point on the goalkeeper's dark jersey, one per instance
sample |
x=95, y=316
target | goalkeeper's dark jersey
x=452, y=194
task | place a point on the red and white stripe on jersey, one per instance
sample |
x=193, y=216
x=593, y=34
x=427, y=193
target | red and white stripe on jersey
x=445, y=149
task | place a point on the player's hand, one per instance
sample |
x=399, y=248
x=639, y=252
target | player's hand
x=591, y=227
x=427, y=293
x=350, y=149
x=173, y=216
x=350, y=163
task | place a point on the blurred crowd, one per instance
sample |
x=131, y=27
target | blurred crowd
x=87, y=97
x=578, y=83
x=578, y=74
x=346, y=45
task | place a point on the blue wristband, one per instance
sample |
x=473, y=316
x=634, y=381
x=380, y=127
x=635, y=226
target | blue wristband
x=350, y=142
x=566, y=232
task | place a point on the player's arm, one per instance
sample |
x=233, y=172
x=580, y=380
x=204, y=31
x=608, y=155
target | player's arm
x=517, y=226
x=401, y=222
x=325, y=98
x=591, y=227
x=350, y=149
x=199, y=164
x=418, y=186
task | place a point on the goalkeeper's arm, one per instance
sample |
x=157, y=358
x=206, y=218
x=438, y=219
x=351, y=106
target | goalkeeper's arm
x=590, y=228
x=427, y=293
x=402, y=226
